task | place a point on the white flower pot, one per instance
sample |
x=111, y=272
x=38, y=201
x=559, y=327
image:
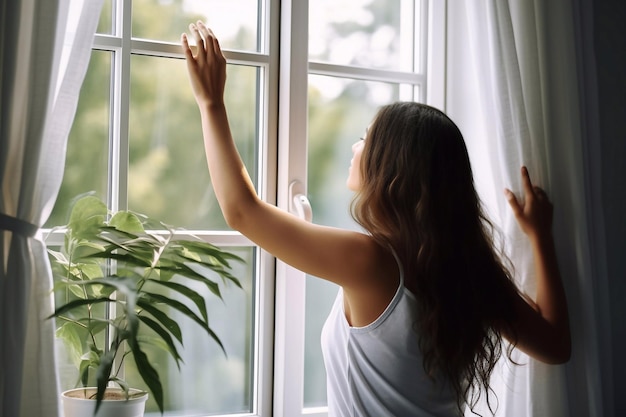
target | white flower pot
x=77, y=404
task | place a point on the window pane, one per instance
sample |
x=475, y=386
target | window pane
x=339, y=112
x=210, y=382
x=86, y=162
x=168, y=175
x=105, y=24
x=367, y=33
x=235, y=22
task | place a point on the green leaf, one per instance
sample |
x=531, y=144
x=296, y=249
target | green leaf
x=177, y=305
x=90, y=271
x=59, y=258
x=83, y=249
x=187, y=292
x=189, y=273
x=70, y=333
x=86, y=208
x=110, y=234
x=147, y=373
x=142, y=260
x=162, y=318
x=207, y=250
x=63, y=285
x=83, y=372
x=87, y=214
x=125, y=285
x=186, y=253
x=165, y=337
x=103, y=373
x=217, y=267
x=96, y=325
x=76, y=303
x=77, y=290
x=127, y=222
x=122, y=384
x=93, y=355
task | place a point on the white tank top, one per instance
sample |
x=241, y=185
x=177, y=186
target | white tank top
x=377, y=370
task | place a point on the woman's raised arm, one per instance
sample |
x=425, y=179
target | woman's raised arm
x=542, y=329
x=341, y=256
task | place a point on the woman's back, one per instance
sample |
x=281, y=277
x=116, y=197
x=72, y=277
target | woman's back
x=378, y=370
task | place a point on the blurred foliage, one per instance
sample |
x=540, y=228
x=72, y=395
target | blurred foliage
x=168, y=178
x=366, y=33
x=165, y=20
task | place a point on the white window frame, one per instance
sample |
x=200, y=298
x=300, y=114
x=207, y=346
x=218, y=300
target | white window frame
x=279, y=313
x=292, y=169
x=122, y=46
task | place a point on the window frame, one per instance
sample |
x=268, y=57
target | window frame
x=122, y=47
x=295, y=69
x=279, y=313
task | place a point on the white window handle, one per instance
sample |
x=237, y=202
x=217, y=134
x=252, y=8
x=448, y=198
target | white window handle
x=298, y=202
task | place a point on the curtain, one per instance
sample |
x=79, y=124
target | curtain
x=513, y=88
x=45, y=49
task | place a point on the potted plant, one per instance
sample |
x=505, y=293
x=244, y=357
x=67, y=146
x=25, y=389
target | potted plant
x=109, y=261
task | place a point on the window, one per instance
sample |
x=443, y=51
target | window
x=361, y=55
x=136, y=142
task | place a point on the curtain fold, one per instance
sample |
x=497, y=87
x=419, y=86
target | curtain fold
x=513, y=87
x=46, y=47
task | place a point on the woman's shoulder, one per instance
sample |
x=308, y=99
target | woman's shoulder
x=379, y=280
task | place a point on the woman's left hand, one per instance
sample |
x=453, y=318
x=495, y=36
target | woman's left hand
x=207, y=67
x=534, y=212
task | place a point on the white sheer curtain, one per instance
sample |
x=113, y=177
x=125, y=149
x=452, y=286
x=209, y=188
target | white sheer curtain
x=45, y=49
x=513, y=89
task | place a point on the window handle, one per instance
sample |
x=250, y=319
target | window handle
x=298, y=202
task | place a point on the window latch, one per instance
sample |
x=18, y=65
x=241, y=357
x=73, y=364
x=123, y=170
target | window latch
x=299, y=204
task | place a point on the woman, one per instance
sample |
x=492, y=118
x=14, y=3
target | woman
x=425, y=301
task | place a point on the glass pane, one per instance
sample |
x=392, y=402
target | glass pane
x=235, y=22
x=339, y=112
x=367, y=33
x=86, y=162
x=168, y=174
x=210, y=382
x=105, y=24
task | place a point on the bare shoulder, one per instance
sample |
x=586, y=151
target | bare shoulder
x=366, y=271
x=373, y=287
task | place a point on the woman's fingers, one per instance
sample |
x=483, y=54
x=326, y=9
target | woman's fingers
x=527, y=184
x=186, y=48
x=534, y=212
x=198, y=31
x=515, y=206
x=207, y=43
x=211, y=42
x=539, y=193
x=206, y=34
x=217, y=50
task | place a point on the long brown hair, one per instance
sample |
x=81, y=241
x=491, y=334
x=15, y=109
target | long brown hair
x=418, y=198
